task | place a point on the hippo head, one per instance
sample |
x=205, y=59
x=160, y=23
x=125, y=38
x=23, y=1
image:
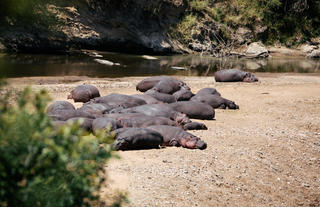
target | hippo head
x=249, y=78
x=232, y=105
x=181, y=118
x=193, y=142
x=120, y=144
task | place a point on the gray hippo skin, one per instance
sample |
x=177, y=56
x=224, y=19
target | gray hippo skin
x=234, y=75
x=59, y=105
x=103, y=123
x=211, y=91
x=148, y=99
x=175, y=136
x=163, y=97
x=194, y=109
x=158, y=110
x=136, y=138
x=195, y=126
x=85, y=123
x=168, y=86
x=183, y=95
x=215, y=101
x=84, y=93
x=139, y=120
x=98, y=108
x=119, y=100
x=149, y=83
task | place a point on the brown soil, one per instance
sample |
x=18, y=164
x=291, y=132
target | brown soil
x=265, y=154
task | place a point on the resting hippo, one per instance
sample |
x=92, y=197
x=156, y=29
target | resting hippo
x=194, y=109
x=84, y=93
x=211, y=91
x=195, y=126
x=99, y=108
x=163, y=97
x=158, y=110
x=136, y=138
x=105, y=123
x=148, y=99
x=119, y=100
x=233, y=75
x=168, y=86
x=59, y=105
x=65, y=114
x=149, y=83
x=85, y=123
x=215, y=101
x=183, y=95
x=139, y=120
x=175, y=136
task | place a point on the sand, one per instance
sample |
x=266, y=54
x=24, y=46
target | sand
x=267, y=153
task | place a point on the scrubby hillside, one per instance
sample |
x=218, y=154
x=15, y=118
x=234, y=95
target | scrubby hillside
x=158, y=26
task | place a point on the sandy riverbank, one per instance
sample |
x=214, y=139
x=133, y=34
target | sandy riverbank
x=265, y=154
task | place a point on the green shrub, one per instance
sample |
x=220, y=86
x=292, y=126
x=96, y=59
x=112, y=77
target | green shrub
x=183, y=31
x=42, y=166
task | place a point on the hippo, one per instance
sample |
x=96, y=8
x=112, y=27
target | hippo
x=234, y=75
x=163, y=97
x=175, y=136
x=103, y=123
x=183, y=94
x=65, y=114
x=194, y=109
x=139, y=120
x=85, y=123
x=148, y=99
x=136, y=138
x=119, y=100
x=159, y=110
x=149, y=83
x=211, y=91
x=58, y=106
x=84, y=93
x=98, y=107
x=215, y=101
x=168, y=86
x=195, y=126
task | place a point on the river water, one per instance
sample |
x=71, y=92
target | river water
x=80, y=64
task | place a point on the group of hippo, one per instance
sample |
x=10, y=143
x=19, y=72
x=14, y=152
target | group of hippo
x=158, y=117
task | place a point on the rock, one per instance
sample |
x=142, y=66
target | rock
x=106, y=62
x=314, y=54
x=306, y=48
x=315, y=41
x=257, y=49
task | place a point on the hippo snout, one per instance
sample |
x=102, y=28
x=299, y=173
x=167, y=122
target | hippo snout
x=201, y=145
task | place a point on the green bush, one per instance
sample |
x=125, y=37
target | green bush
x=43, y=166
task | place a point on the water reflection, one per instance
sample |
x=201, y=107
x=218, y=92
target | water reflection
x=20, y=65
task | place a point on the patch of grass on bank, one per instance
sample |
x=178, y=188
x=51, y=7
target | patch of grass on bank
x=183, y=31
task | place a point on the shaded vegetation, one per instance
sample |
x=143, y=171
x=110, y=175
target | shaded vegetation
x=42, y=166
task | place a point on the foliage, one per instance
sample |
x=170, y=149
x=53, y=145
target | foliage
x=31, y=12
x=43, y=166
x=183, y=31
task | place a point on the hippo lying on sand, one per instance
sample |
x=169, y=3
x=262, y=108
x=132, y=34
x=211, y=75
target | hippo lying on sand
x=139, y=120
x=183, y=95
x=84, y=93
x=175, y=136
x=194, y=109
x=195, y=126
x=119, y=100
x=211, y=91
x=85, y=123
x=163, y=97
x=169, y=85
x=105, y=123
x=158, y=110
x=136, y=138
x=215, y=101
x=148, y=99
x=59, y=105
x=234, y=75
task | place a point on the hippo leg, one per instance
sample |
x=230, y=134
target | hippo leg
x=222, y=106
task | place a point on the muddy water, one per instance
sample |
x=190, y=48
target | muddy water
x=80, y=64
